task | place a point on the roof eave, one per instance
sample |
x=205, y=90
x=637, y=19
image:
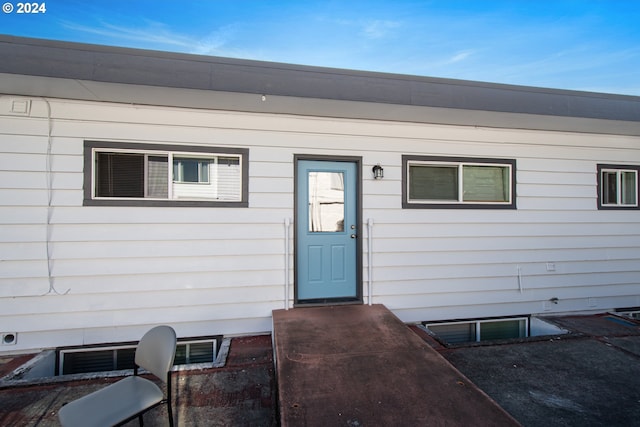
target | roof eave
x=113, y=74
x=34, y=86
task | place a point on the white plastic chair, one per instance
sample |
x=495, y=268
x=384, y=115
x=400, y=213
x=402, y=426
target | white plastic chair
x=130, y=397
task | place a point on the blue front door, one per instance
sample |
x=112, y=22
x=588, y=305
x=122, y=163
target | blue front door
x=326, y=231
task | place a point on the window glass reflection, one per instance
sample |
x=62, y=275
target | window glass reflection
x=326, y=201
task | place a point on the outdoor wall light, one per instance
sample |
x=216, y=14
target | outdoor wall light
x=378, y=172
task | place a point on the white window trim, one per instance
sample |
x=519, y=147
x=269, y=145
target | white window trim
x=170, y=157
x=618, y=169
x=619, y=186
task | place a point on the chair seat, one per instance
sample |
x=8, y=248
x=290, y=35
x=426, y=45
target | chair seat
x=112, y=404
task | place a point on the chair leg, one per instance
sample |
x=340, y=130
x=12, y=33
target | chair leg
x=169, y=408
x=170, y=413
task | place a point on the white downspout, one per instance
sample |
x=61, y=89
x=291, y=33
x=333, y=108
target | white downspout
x=287, y=224
x=370, y=259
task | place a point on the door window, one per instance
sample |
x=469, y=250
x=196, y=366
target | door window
x=326, y=201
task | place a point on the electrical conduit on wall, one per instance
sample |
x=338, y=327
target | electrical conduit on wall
x=370, y=259
x=287, y=226
x=49, y=182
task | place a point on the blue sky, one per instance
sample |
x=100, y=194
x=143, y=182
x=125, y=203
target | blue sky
x=591, y=45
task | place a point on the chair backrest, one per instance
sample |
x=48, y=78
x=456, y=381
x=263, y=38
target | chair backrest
x=156, y=351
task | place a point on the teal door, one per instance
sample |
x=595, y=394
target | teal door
x=326, y=231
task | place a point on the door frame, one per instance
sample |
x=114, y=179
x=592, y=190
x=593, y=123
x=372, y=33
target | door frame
x=357, y=160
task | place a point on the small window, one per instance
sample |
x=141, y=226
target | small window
x=455, y=333
x=631, y=313
x=441, y=182
x=81, y=360
x=617, y=187
x=139, y=174
x=480, y=330
x=326, y=202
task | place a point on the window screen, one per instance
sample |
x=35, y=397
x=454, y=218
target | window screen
x=428, y=182
x=157, y=173
x=119, y=175
x=485, y=183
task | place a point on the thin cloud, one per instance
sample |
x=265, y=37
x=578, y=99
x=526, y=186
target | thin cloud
x=370, y=28
x=217, y=42
x=378, y=29
x=154, y=34
x=458, y=57
x=157, y=35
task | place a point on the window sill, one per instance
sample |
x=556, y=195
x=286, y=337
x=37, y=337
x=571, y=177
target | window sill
x=167, y=203
x=414, y=205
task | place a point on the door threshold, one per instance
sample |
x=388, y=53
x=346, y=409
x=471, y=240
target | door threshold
x=324, y=303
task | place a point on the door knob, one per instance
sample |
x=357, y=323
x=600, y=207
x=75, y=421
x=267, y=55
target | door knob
x=353, y=236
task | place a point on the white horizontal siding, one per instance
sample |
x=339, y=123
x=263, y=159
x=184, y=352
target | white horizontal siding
x=122, y=267
x=132, y=300
x=168, y=248
x=117, y=270
x=519, y=257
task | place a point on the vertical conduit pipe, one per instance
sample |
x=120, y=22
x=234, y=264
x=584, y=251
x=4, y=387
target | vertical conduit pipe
x=520, y=285
x=48, y=225
x=287, y=224
x=370, y=259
